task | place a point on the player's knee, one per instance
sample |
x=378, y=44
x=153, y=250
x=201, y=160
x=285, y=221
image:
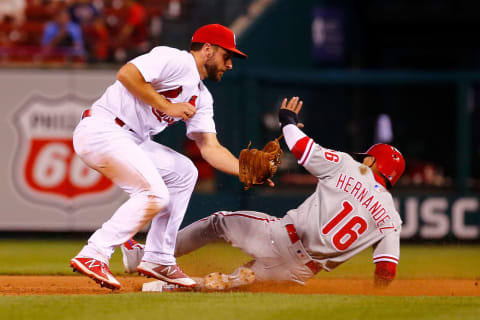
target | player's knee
x=193, y=173
x=217, y=225
x=154, y=204
x=189, y=172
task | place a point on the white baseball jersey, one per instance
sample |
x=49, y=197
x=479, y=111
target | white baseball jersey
x=348, y=212
x=174, y=74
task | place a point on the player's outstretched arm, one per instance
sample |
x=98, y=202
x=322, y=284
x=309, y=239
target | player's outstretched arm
x=302, y=146
x=215, y=154
x=296, y=140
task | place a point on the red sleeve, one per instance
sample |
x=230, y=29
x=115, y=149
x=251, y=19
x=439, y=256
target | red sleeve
x=302, y=148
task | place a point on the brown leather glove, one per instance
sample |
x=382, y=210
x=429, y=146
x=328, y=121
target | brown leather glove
x=257, y=166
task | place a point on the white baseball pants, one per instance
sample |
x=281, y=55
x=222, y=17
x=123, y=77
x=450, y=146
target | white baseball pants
x=159, y=181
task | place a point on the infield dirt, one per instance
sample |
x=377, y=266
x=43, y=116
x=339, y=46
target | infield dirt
x=67, y=285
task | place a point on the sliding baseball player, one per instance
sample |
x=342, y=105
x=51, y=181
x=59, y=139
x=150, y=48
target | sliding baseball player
x=350, y=210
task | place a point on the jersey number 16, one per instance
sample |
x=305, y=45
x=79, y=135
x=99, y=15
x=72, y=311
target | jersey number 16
x=350, y=230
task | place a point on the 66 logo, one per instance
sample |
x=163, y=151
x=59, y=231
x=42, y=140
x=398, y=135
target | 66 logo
x=45, y=168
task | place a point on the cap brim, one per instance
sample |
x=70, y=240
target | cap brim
x=236, y=53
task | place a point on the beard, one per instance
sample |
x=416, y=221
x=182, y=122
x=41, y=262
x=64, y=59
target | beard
x=213, y=73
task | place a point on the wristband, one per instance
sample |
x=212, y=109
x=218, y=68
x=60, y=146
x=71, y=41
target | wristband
x=286, y=116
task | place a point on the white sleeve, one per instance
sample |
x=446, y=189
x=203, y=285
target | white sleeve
x=158, y=64
x=292, y=134
x=319, y=161
x=298, y=142
x=388, y=249
x=202, y=121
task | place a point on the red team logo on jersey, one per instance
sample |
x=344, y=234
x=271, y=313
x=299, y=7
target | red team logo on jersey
x=45, y=167
x=170, y=94
x=162, y=116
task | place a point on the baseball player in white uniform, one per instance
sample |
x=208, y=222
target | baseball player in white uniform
x=350, y=210
x=152, y=92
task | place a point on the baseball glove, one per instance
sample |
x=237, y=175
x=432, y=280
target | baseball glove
x=257, y=166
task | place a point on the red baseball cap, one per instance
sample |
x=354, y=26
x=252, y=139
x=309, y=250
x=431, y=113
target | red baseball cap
x=218, y=35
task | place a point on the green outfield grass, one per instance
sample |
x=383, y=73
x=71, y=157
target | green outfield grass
x=417, y=261
x=238, y=306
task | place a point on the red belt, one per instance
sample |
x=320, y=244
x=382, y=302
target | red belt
x=88, y=113
x=292, y=234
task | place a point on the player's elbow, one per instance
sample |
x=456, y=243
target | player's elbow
x=384, y=273
x=128, y=73
x=123, y=73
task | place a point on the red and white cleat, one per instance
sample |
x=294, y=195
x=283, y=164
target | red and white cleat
x=171, y=274
x=96, y=270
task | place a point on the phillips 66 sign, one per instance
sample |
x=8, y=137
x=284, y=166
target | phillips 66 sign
x=45, y=169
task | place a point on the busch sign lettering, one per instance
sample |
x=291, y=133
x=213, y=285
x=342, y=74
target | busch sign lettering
x=45, y=168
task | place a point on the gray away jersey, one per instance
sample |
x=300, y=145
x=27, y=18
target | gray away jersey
x=348, y=212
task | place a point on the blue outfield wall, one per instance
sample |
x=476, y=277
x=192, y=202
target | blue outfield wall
x=434, y=218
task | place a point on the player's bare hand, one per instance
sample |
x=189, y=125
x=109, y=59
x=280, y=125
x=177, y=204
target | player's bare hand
x=183, y=110
x=294, y=104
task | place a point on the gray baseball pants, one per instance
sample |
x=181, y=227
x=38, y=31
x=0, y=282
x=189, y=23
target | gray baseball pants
x=265, y=238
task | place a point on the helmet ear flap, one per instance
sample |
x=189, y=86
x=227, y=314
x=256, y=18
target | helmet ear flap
x=388, y=183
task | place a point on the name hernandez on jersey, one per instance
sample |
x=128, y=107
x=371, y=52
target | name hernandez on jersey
x=360, y=193
x=348, y=212
x=173, y=74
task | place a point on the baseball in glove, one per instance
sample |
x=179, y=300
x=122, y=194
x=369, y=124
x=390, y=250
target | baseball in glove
x=257, y=166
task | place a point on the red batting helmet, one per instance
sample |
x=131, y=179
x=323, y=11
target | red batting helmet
x=390, y=162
